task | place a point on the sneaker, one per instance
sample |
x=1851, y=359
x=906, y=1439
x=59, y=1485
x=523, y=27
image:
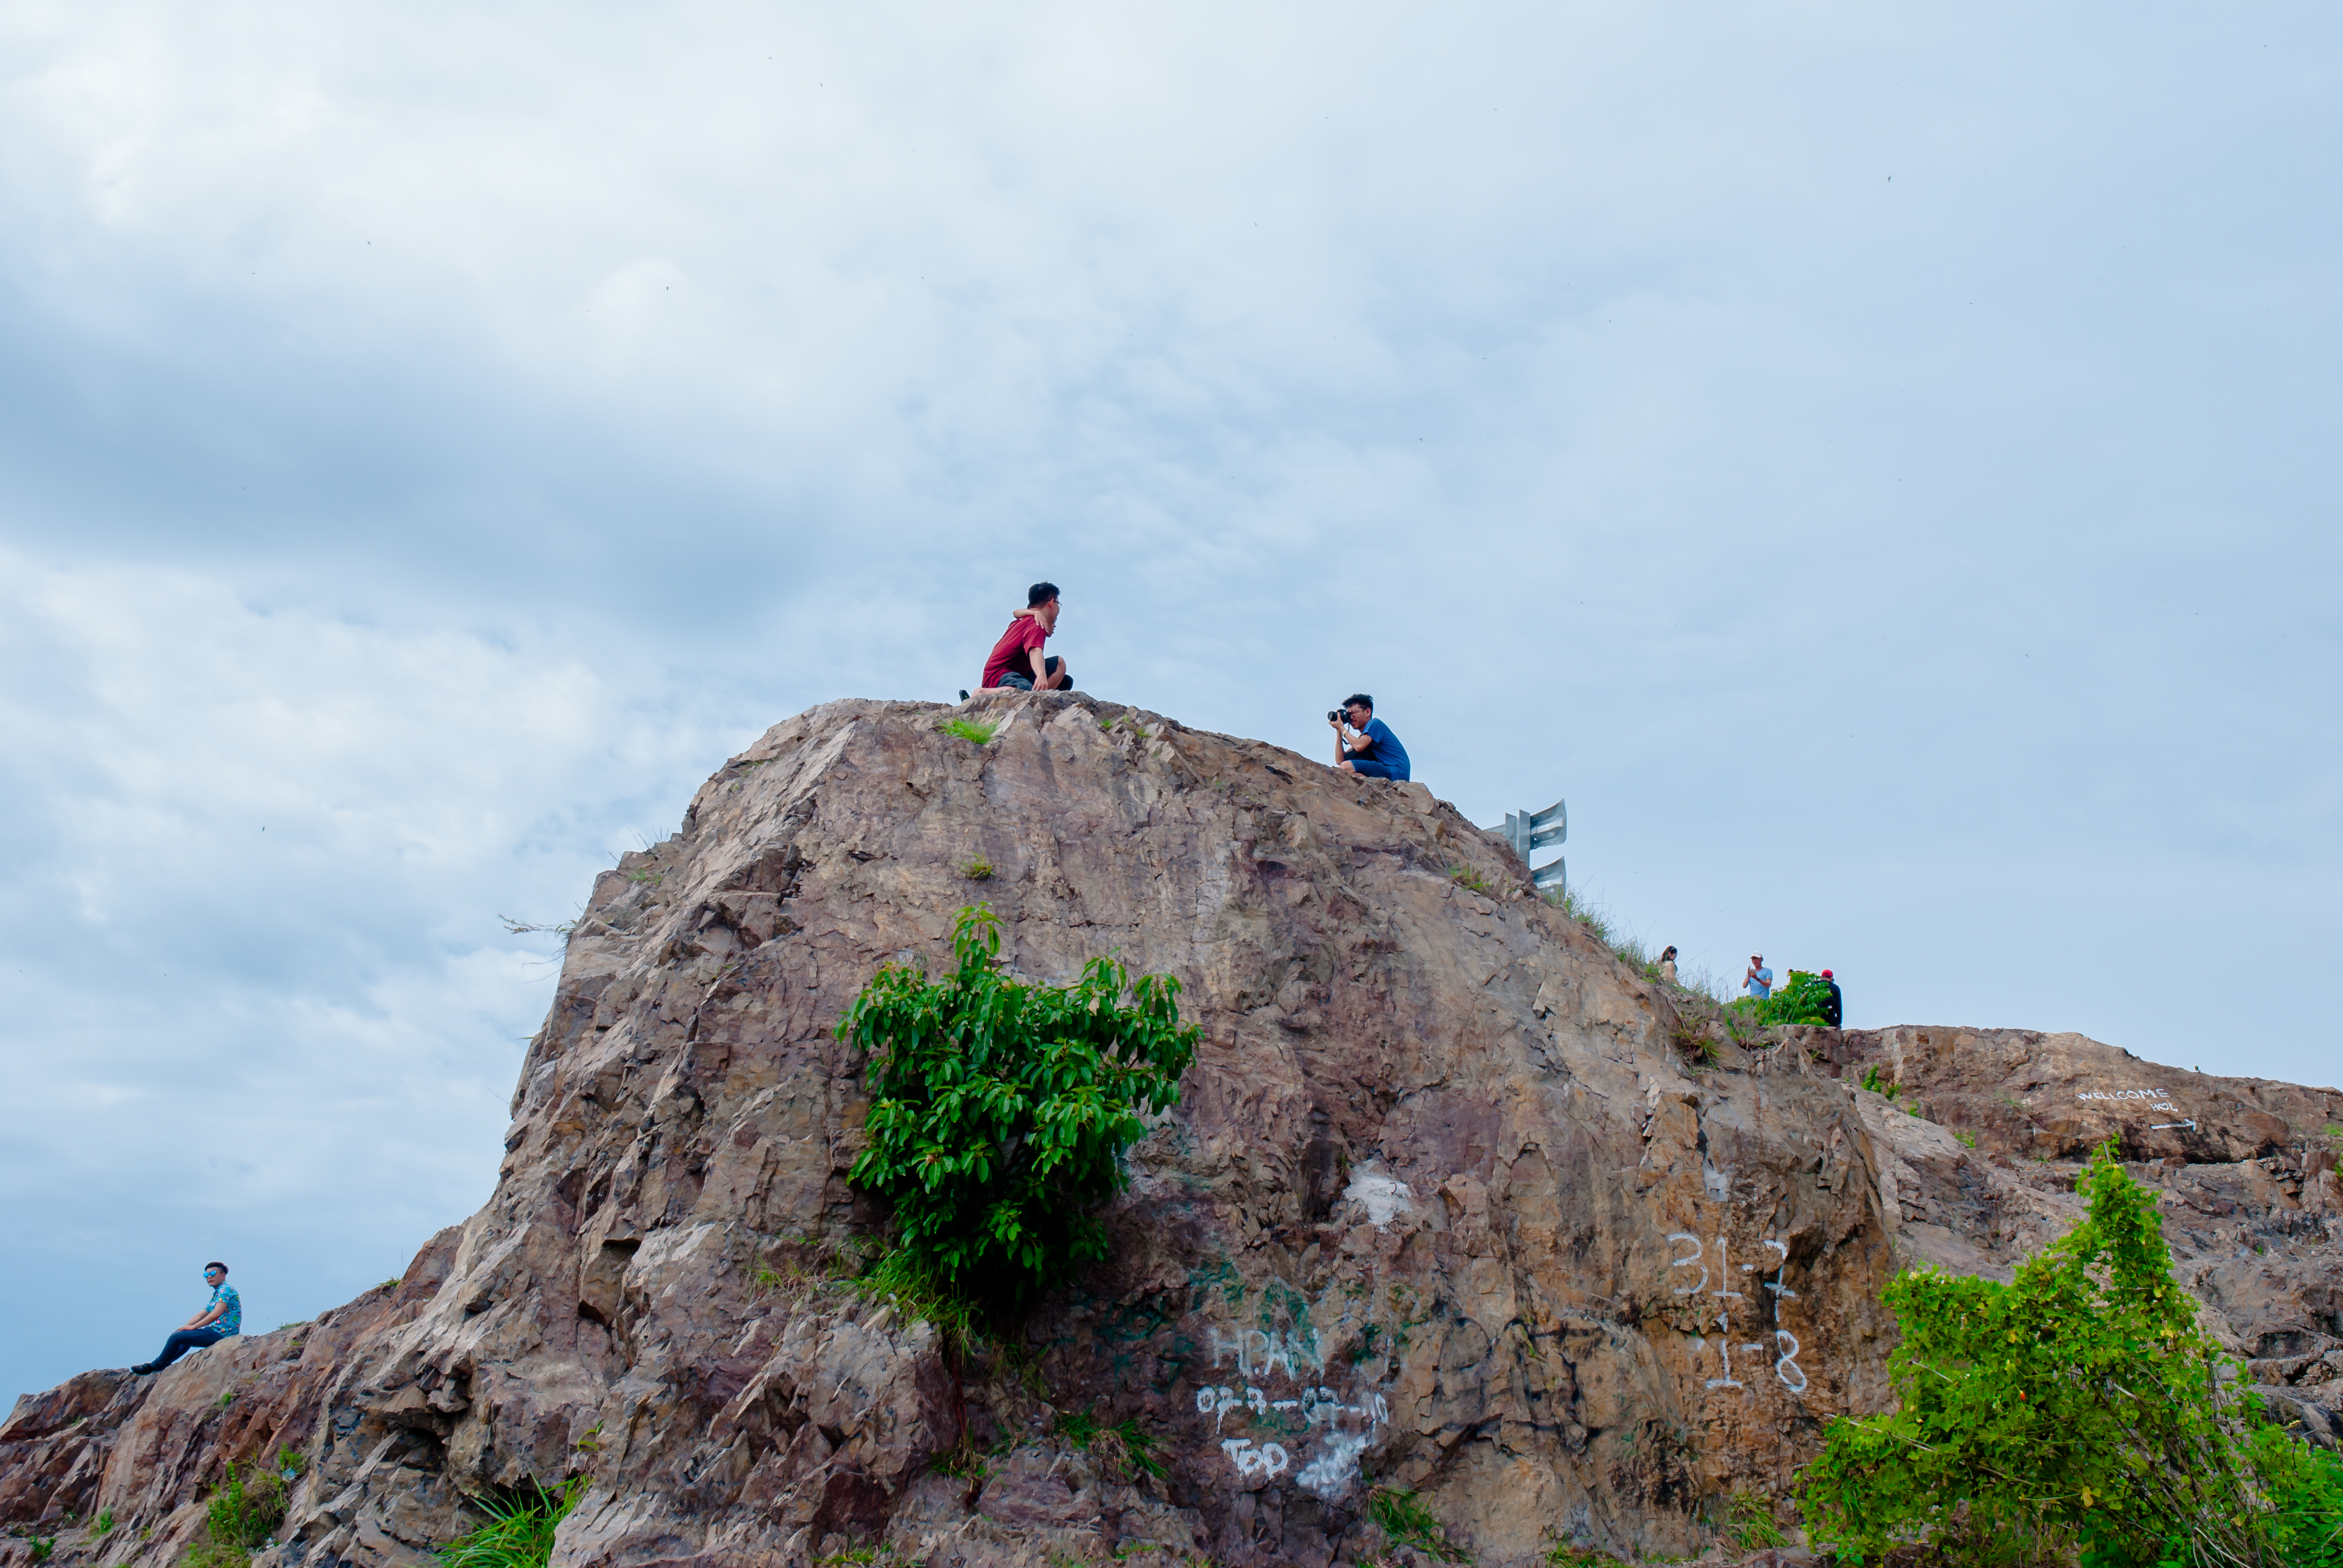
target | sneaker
x=143, y=1369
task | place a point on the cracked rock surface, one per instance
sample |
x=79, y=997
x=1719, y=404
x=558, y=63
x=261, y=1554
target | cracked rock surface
x=1453, y=1201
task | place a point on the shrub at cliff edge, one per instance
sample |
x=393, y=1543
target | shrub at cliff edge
x=1803, y=999
x=2080, y=1405
x=1001, y=1110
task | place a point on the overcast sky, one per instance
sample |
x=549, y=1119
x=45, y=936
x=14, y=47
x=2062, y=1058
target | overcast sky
x=1879, y=463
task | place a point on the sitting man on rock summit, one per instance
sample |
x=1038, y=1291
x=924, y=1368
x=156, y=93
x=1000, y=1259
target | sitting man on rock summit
x=221, y=1318
x=1017, y=662
x=1365, y=744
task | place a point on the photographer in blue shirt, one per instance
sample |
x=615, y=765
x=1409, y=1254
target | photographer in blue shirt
x=1364, y=743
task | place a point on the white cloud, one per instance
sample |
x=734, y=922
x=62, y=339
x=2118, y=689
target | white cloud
x=261, y=1000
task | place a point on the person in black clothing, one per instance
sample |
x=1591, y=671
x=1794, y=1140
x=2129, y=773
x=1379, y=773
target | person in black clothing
x=1835, y=1008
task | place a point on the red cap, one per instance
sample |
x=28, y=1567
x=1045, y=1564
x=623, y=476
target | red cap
x=1827, y=974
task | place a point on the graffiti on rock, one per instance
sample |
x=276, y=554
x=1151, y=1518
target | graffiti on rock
x=1385, y=1196
x=1337, y=1465
x=1783, y=1346
x=1317, y=1406
x=2160, y=1097
x=1260, y=1353
x=1272, y=1379
x=1269, y=1459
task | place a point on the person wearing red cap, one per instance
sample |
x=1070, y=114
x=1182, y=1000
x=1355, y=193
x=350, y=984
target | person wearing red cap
x=1835, y=1010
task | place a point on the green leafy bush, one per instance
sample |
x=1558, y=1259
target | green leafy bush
x=520, y=1530
x=2304, y=1486
x=1000, y=1109
x=2079, y=1405
x=1805, y=999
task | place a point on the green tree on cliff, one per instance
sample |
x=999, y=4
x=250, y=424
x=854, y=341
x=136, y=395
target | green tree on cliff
x=2080, y=1404
x=1000, y=1109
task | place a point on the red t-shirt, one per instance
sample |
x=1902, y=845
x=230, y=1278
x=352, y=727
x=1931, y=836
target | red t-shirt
x=1026, y=634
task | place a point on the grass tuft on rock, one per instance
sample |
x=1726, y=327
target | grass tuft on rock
x=520, y=1529
x=1749, y=1522
x=1124, y=1448
x=1408, y=1523
x=244, y=1511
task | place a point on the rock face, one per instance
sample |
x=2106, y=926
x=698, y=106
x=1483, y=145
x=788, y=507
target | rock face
x=1454, y=1202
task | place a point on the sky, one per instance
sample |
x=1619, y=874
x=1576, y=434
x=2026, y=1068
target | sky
x=1877, y=464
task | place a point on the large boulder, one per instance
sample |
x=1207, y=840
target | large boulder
x=1454, y=1202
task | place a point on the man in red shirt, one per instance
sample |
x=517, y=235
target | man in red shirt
x=1016, y=661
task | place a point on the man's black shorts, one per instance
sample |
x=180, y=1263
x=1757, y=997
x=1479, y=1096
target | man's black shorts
x=1016, y=682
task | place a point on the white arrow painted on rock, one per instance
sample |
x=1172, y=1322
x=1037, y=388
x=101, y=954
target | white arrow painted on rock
x=2160, y=1126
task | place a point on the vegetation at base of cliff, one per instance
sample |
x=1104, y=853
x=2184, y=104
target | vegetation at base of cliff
x=919, y=1289
x=1124, y=1448
x=1750, y=1524
x=243, y=1512
x=1000, y=1111
x=520, y=1530
x=1407, y=1522
x=2081, y=1406
x=881, y=1556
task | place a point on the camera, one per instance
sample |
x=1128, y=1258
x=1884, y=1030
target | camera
x=1335, y=715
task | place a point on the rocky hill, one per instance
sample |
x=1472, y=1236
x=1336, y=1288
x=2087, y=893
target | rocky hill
x=1454, y=1202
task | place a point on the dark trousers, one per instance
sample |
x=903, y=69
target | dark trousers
x=1015, y=681
x=181, y=1343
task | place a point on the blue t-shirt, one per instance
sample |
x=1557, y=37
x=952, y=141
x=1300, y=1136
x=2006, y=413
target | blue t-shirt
x=230, y=1322
x=1386, y=749
x=1761, y=984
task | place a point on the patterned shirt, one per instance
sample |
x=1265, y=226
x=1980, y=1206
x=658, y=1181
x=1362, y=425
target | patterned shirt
x=231, y=1320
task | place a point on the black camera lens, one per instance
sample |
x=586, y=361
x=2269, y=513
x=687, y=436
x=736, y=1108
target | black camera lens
x=1334, y=714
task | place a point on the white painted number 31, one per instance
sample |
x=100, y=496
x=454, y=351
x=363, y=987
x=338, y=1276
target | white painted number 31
x=1786, y=1344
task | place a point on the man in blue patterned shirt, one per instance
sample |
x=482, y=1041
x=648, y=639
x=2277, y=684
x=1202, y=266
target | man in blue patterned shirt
x=221, y=1318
